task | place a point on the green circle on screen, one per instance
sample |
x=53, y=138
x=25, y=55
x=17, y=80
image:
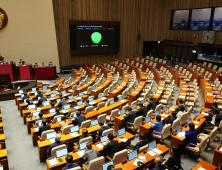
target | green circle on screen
x=96, y=37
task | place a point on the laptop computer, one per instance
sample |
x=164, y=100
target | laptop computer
x=34, y=89
x=147, y=119
x=121, y=132
x=143, y=101
x=50, y=83
x=22, y=95
x=31, y=106
x=179, y=129
x=165, y=109
x=53, y=110
x=100, y=96
x=35, y=114
x=61, y=153
x=157, y=113
x=132, y=155
x=83, y=83
x=66, y=107
x=59, y=119
x=46, y=103
x=79, y=103
x=74, y=114
x=71, y=97
x=134, y=106
x=94, y=122
x=50, y=135
x=94, y=87
x=122, y=112
x=80, y=94
x=111, y=102
x=20, y=91
x=82, y=146
x=1, y=167
x=64, y=84
x=90, y=99
x=190, y=120
x=120, y=98
x=112, y=89
x=152, y=145
x=63, y=92
x=48, y=90
x=103, y=139
x=74, y=129
x=36, y=93
x=107, y=164
x=58, y=100
x=99, y=84
x=53, y=95
x=78, y=86
x=171, y=104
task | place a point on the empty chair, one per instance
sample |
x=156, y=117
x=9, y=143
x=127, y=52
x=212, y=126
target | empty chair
x=95, y=164
x=143, y=148
x=165, y=133
x=89, y=109
x=175, y=125
x=43, y=135
x=120, y=156
x=112, y=116
x=100, y=105
x=183, y=118
x=136, y=124
x=86, y=123
x=89, y=138
x=102, y=118
x=67, y=129
x=158, y=108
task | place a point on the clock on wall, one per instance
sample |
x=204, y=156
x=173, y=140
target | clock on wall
x=208, y=37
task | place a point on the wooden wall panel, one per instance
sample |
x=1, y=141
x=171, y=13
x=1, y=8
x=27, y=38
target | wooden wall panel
x=150, y=18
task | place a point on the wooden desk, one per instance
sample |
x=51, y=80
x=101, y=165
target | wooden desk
x=158, y=93
x=217, y=156
x=4, y=159
x=136, y=92
x=55, y=85
x=204, y=165
x=207, y=93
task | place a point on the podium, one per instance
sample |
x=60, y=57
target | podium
x=5, y=79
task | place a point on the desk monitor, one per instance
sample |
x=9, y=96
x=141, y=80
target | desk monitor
x=99, y=84
x=82, y=146
x=80, y=94
x=112, y=89
x=179, y=129
x=50, y=83
x=133, y=106
x=39, y=98
x=90, y=99
x=104, y=138
x=83, y=83
x=190, y=120
x=31, y=106
x=152, y=145
x=147, y=119
x=143, y=101
x=58, y=100
x=121, y=132
x=48, y=90
x=70, y=81
x=59, y=119
x=132, y=155
x=164, y=108
x=64, y=84
x=122, y=112
x=107, y=164
x=21, y=91
x=50, y=135
x=74, y=114
x=94, y=122
x=111, y=102
x=94, y=87
x=53, y=110
x=74, y=129
x=171, y=104
x=22, y=95
x=61, y=153
x=197, y=113
x=36, y=93
x=46, y=103
x=34, y=89
x=66, y=107
x=25, y=100
x=71, y=97
x=100, y=96
x=79, y=103
x=120, y=98
x=53, y=95
x=35, y=114
x=157, y=113
x=78, y=86
x=63, y=92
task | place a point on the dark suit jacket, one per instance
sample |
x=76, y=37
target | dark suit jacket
x=173, y=160
x=140, y=144
x=151, y=105
x=87, y=105
x=73, y=165
x=217, y=119
x=159, y=167
x=50, y=64
x=36, y=65
x=130, y=117
x=142, y=111
x=191, y=137
x=62, y=103
x=43, y=99
x=25, y=97
x=21, y=62
x=44, y=128
x=56, y=143
x=170, y=121
x=57, y=114
x=1, y=58
x=111, y=148
x=218, y=110
x=102, y=129
x=39, y=95
x=78, y=120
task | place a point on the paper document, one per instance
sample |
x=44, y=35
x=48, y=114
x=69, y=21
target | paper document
x=70, y=100
x=160, y=88
x=164, y=115
x=201, y=168
x=78, y=98
x=35, y=102
x=92, y=102
x=80, y=153
x=36, y=129
x=205, y=114
x=47, y=93
x=123, y=139
x=103, y=98
x=142, y=158
x=162, y=118
x=196, y=126
x=196, y=122
x=182, y=97
x=74, y=134
x=99, y=145
x=99, y=87
x=220, y=149
x=52, y=140
x=181, y=135
x=157, y=151
x=172, y=109
x=38, y=109
x=151, y=153
x=49, y=86
x=159, y=91
x=53, y=162
x=135, y=163
x=76, y=107
x=64, y=111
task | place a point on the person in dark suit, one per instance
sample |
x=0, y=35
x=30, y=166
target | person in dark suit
x=130, y=117
x=26, y=96
x=79, y=119
x=52, y=106
x=85, y=134
x=57, y=112
x=111, y=167
x=70, y=164
x=40, y=117
x=56, y=143
x=152, y=104
x=43, y=65
x=191, y=137
x=180, y=104
x=36, y=65
x=214, y=120
x=50, y=64
x=142, y=110
x=158, y=161
x=62, y=102
x=21, y=62
x=173, y=117
x=43, y=99
x=175, y=159
x=86, y=105
x=142, y=142
x=28, y=102
x=39, y=94
x=100, y=131
x=44, y=126
x=111, y=146
x=1, y=58
x=215, y=107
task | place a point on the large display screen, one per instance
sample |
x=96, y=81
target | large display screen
x=90, y=37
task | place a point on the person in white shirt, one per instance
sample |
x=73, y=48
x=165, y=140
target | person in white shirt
x=182, y=110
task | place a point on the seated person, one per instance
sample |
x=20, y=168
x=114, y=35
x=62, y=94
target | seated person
x=43, y=99
x=56, y=143
x=28, y=102
x=43, y=64
x=73, y=109
x=214, y=120
x=173, y=117
x=157, y=126
x=191, y=137
x=182, y=110
x=50, y=64
x=100, y=131
x=152, y=104
x=44, y=126
x=215, y=107
x=70, y=164
x=79, y=119
x=130, y=117
x=175, y=159
x=40, y=117
x=62, y=102
x=142, y=142
x=111, y=146
x=26, y=96
x=52, y=106
x=180, y=104
x=57, y=112
x=1, y=58
x=85, y=134
x=36, y=65
x=142, y=110
x=21, y=62
x=86, y=105
x=158, y=161
x=63, y=123
x=39, y=94
x=90, y=154
x=111, y=167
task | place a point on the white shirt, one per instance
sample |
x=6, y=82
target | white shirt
x=213, y=120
